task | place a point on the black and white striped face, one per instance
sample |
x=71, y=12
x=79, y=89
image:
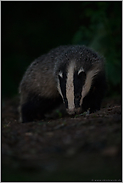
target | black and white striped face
x=73, y=86
x=70, y=85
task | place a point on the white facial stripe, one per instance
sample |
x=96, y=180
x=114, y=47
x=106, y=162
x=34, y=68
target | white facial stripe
x=81, y=70
x=88, y=83
x=70, y=87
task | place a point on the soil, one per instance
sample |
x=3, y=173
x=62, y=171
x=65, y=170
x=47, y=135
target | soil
x=86, y=147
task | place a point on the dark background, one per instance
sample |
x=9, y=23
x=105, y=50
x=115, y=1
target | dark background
x=30, y=29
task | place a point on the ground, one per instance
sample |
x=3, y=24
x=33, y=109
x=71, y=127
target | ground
x=80, y=148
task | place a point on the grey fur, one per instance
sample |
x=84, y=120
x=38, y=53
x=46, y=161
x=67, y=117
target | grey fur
x=39, y=77
x=42, y=75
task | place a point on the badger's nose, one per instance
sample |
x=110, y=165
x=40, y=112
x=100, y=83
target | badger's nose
x=74, y=111
x=78, y=110
x=70, y=111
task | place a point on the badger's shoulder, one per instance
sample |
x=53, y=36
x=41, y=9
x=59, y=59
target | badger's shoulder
x=39, y=76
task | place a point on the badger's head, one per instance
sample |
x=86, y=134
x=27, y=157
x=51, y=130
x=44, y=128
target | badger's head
x=73, y=83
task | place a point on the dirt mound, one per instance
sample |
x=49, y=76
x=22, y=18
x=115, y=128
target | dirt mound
x=86, y=147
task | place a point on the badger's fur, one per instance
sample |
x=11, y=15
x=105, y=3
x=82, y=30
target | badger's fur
x=73, y=75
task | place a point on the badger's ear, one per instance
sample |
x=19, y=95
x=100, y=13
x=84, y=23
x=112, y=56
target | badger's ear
x=80, y=71
x=60, y=74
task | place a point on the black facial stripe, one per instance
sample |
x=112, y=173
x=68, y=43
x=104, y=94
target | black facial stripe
x=62, y=81
x=79, y=81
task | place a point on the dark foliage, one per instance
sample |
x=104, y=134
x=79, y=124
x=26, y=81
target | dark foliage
x=30, y=29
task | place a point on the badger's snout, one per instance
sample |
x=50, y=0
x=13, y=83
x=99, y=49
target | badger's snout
x=74, y=111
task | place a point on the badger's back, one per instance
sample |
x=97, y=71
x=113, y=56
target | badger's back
x=39, y=77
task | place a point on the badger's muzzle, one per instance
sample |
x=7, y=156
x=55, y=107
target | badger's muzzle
x=74, y=111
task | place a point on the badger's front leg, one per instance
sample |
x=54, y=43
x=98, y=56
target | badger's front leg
x=93, y=100
x=36, y=107
x=31, y=110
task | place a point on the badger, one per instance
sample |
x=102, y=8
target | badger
x=73, y=75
